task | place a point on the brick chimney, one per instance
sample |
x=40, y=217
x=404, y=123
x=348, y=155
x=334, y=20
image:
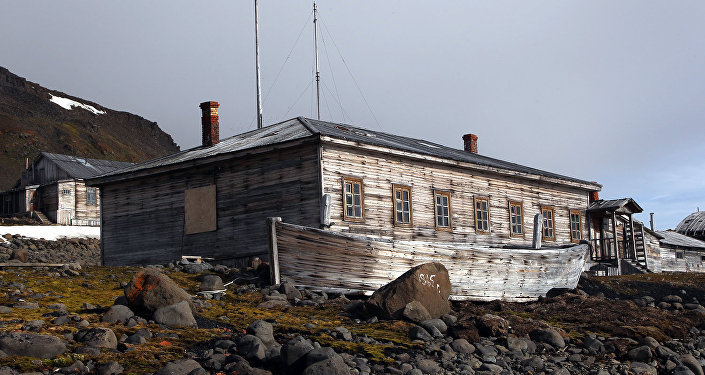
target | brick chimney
x=594, y=196
x=470, y=143
x=209, y=123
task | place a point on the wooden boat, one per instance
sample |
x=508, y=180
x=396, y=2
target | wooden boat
x=342, y=262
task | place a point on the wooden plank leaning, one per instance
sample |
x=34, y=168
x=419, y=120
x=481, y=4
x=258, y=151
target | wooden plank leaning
x=274, y=276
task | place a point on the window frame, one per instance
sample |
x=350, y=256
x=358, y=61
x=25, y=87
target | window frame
x=94, y=201
x=353, y=180
x=521, y=217
x=402, y=188
x=552, y=210
x=475, y=210
x=580, y=225
x=444, y=193
x=680, y=254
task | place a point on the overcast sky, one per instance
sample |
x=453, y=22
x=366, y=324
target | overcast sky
x=610, y=91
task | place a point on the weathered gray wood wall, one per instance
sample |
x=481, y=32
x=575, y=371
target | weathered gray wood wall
x=343, y=262
x=380, y=170
x=143, y=219
x=691, y=262
x=85, y=213
x=653, y=252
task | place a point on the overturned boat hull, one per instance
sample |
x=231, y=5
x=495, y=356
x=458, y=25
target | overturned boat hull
x=342, y=262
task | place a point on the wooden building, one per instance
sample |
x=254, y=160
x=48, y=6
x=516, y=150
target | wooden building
x=53, y=188
x=693, y=225
x=213, y=200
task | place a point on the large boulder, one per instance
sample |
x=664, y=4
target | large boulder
x=427, y=283
x=31, y=345
x=98, y=337
x=176, y=315
x=151, y=290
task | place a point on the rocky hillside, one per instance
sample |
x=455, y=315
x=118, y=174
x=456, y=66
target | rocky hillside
x=34, y=118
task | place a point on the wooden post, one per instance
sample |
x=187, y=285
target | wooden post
x=616, y=246
x=274, y=277
x=633, y=240
x=643, y=240
x=538, y=231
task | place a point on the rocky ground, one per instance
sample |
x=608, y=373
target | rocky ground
x=83, y=319
x=84, y=251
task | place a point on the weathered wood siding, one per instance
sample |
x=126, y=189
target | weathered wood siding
x=66, y=211
x=653, y=252
x=334, y=261
x=143, y=219
x=379, y=171
x=691, y=262
x=85, y=214
x=49, y=200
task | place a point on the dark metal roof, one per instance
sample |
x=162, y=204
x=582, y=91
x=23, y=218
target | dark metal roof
x=300, y=127
x=676, y=239
x=693, y=225
x=77, y=167
x=624, y=205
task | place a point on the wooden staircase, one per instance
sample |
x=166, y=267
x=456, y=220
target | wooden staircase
x=639, y=260
x=43, y=219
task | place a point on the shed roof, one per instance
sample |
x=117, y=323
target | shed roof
x=674, y=238
x=300, y=127
x=624, y=205
x=693, y=225
x=77, y=167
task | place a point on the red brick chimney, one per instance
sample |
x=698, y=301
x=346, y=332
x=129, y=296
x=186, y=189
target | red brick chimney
x=470, y=143
x=209, y=123
x=594, y=196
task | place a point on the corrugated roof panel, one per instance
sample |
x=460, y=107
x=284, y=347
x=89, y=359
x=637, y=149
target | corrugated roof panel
x=676, y=239
x=78, y=167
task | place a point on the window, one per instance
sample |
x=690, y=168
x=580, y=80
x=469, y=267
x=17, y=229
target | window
x=576, y=231
x=442, y=199
x=91, y=198
x=679, y=254
x=482, y=214
x=516, y=219
x=402, y=205
x=352, y=199
x=549, y=233
x=66, y=191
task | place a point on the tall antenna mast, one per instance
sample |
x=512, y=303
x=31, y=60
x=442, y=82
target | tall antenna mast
x=318, y=75
x=259, y=89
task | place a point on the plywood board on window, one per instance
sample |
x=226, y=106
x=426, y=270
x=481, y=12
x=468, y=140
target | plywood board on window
x=199, y=210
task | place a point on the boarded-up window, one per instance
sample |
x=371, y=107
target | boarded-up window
x=549, y=233
x=402, y=205
x=199, y=210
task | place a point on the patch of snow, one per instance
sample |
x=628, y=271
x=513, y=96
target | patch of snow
x=429, y=145
x=69, y=104
x=50, y=232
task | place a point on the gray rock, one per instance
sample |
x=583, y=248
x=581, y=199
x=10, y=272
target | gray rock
x=333, y=366
x=439, y=324
x=640, y=354
x=4, y=370
x=664, y=352
x=135, y=340
x=179, y=367
x=640, y=368
x=98, y=337
x=494, y=369
x=176, y=315
x=75, y=368
x=690, y=362
x=549, y=336
x=649, y=341
x=418, y=333
x=33, y=325
x=5, y=309
x=273, y=303
x=449, y=319
x=672, y=298
x=31, y=345
x=462, y=346
x=293, y=353
x=347, y=336
x=682, y=370
x=151, y=290
x=428, y=366
x=117, y=313
x=109, y=368
x=252, y=348
x=26, y=305
x=319, y=354
x=211, y=282
x=263, y=330
x=290, y=291
x=56, y=306
x=416, y=312
x=534, y=362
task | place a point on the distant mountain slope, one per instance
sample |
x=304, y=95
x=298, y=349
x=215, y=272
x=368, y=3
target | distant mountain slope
x=34, y=118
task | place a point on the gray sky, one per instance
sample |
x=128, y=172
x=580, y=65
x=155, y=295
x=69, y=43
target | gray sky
x=600, y=90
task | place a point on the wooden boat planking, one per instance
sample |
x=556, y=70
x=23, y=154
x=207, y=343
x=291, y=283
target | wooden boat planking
x=342, y=262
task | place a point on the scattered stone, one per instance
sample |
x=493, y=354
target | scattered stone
x=252, y=348
x=98, y=337
x=211, y=282
x=549, y=336
x=418, y=333
x=20, y=255
x=109, y=368
x=492, y=325
x=31, y=345
x=290, y=291
x=293, y=353
x=151, y=290
x=462, y=346
x=427, y=283
x=117, y=313
x=176, y=315
x=428, y=366
x=416, y=312
x=263, y=330
x=179, y=367
x=640, y=354
x=330, y=366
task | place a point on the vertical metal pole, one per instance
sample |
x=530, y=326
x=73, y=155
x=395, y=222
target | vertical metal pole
x=318, y=75
x=259, y=85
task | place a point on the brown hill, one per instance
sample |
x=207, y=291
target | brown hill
x=30, y=122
